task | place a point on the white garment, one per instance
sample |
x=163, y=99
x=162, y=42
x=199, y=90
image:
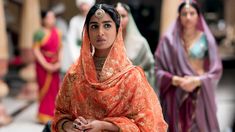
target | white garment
x=138, y=50
x=89, y=2
x=137, y=47
x=74, y=35
x=66, y=56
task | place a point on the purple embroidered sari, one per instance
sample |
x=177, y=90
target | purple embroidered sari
x=184, y=111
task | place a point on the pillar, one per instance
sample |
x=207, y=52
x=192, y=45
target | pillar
x=169, y=13
x=3, y=43
x=30, y=22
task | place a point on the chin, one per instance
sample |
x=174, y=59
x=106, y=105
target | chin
x=103, y=47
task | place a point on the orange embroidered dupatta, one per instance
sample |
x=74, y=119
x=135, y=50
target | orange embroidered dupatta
x=122, y=94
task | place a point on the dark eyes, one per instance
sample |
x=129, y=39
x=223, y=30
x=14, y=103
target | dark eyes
x=184, y=14
x=123, y=16
x=190, y=13
x=94, y=26
x=106, y=26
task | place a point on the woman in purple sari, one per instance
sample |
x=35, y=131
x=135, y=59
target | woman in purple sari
x=188, y=69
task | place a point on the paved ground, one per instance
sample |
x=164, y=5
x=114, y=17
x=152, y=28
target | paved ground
x=25, y=121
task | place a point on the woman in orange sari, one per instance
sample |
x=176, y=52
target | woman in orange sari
x=103, y=91
x=47, y=43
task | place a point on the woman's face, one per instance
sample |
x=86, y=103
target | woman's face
x=124, y=16
x=102, y=32
x=188, y=17
x=49, y=20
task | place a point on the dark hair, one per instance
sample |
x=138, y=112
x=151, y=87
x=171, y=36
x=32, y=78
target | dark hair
x=108, y=9
x=193, y=4
x=44, y=13
x=125, y=6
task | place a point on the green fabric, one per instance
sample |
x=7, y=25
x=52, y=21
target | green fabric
x=79, y=42
x=199, y=49
x=38, y=36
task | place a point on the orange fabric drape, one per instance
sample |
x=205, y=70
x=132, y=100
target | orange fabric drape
x=122, y=94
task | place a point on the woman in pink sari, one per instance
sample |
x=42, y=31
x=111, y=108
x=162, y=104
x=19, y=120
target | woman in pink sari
x=188, y=69
x=47, y=45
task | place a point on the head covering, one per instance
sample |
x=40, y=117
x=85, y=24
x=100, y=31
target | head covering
x=190, y=1
x=117, y=63
x=187, y=108
x=121, y=95
x=137, y=47
x=58, y=8
x=89, y=2
x=135, y=42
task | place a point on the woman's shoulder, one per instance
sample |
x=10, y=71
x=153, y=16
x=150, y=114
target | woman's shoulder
x=137, y=80
x=38, y=35
x=166, y=41
x=58, y=31
x=137, y=73
x=74, y=68
x=202, y=38
x=72, y=73
x=202, y=35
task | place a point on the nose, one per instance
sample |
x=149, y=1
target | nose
x=101, y=31
x=188, y=16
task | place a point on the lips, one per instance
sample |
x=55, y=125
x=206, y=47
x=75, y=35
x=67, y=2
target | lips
x=100, y=40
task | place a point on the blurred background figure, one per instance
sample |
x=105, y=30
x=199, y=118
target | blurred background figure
x=59, y=9
x=76, y=26
x=47, y=46
x=137, y=47
x=61, y=24
x=188, y=69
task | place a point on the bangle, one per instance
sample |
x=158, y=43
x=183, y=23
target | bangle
x=197, y=82
x=175, y=80
x=62, y=125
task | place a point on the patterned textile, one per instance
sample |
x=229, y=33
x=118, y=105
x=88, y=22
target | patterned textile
x=121, y=95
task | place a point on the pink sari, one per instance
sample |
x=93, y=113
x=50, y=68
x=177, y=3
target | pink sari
x=48, y=82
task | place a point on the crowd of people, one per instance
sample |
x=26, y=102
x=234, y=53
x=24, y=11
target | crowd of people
x=111, y=81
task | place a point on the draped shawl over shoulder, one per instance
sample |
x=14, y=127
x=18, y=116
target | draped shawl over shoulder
x=122, y=94
x=138, y=49
x=181, y=107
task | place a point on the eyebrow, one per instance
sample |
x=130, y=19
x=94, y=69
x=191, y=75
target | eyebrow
x=108, y=21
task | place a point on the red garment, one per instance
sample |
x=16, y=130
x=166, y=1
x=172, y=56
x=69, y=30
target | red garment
x=48, y=82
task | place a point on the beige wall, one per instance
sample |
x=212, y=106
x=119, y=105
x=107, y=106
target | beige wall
x=168, y=14
x=3, y=37
x=229, y=9
x=70, y=7
x=3, y=43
